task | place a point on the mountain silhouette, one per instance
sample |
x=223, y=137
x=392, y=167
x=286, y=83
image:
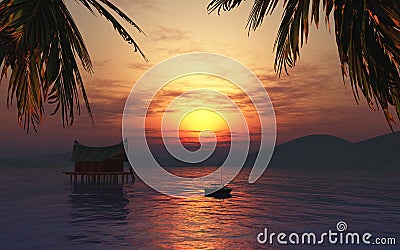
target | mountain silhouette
x=325, y=151
x=308, y=152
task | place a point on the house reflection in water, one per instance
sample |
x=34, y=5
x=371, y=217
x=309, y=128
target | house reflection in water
x=99, y=214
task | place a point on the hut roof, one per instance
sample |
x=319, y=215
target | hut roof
x=84, y=153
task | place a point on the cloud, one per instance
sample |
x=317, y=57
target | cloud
x=140, y=6
x=166, y=34
x=140, y=66
x=313, y=99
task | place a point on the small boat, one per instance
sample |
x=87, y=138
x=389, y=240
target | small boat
x=218, y=191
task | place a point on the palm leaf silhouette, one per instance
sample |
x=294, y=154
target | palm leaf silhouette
x=367, y=37
x=39, y=43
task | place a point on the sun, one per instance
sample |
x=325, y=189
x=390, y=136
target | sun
x=202, y=119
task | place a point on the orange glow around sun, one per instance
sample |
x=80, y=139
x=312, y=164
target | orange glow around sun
x=202, y=119
x=192, y=114
x=199, y=120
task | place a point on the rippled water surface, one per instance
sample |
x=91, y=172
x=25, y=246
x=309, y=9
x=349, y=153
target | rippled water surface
x=40, y=209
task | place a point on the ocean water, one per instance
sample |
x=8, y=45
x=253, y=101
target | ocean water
x=40, y=209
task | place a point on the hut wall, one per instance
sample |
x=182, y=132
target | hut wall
x=113, y=165
x=89, y=166
x=109, y=165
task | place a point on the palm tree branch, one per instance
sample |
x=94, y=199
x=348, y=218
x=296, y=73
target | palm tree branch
x=40, y=43
x=224, y=5
x=367, y=37
x=117, y=26
x=259, y=10
x=368, y=48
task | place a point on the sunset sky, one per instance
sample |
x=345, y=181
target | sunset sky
x=311, y=100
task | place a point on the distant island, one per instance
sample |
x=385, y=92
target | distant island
x=319, y=151
x=325, y=151
x=309, y=152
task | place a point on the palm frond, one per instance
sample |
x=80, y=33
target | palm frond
x=259, y=10
x=368, y=40
x=367, y=36
x=117, y=26
x=294, y=30
x=39, y=43
x=224, y=5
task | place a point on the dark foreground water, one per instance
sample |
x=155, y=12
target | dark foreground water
x=39, y=209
